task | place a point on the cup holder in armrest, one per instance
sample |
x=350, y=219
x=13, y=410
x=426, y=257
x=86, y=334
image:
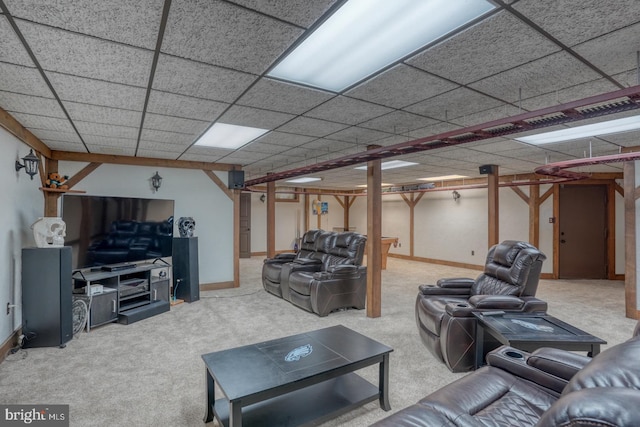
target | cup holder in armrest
x=514, y=354
x=462, y=305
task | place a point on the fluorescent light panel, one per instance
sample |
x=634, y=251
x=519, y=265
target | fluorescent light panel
x=443, y=178
x=222, y=135
x=303, y=180
x=390, y=165
x=604, y=128
x=364, y=36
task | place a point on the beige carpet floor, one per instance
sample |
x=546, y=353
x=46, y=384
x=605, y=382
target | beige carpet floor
x=150, y=373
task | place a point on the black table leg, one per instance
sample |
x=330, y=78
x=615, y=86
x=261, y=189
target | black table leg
x=208, y=416
x=479, y=345
x=383, y=383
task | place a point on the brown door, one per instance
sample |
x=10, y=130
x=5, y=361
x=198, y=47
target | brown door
x=245, y=225
x=583, y=232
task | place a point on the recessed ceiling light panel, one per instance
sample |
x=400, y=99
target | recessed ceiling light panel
x=222, y=135
x=390, y=165
x=443, y=178
x=304, y=180
x=604, y=128
x=364, y=36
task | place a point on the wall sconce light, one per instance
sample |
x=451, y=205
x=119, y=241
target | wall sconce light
x=30, y=164
x=156, y=181
x=263, y=198
x=456, y=195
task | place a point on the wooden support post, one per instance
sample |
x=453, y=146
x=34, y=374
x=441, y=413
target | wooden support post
x=374, y=237
x=271, y=219
x=494, y=206
x=50, y=199
x=345, y=208
x=534, y=215
x=630, y=241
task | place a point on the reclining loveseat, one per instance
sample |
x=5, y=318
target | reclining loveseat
x=325, y=275
x=444, y=312
x=546, y=388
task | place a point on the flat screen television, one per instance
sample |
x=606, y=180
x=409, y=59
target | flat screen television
x=113, y=230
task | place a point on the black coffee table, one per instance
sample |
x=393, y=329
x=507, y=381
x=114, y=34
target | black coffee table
x=302, y=379
x=529, y=331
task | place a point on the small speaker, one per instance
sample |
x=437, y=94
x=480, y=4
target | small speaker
x=236, y=180
x=487, y=169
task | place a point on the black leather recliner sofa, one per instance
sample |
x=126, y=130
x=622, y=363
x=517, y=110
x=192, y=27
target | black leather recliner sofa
x=546, y=388
x=325, y=275
x=444, y=312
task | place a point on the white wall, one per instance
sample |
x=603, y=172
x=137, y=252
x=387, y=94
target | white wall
x=195, y=195
x=22, y=204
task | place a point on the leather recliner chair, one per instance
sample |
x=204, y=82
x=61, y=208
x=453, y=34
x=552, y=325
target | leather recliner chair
x=444, y=312
x=548, y=387
x=340, y=283
x=272, y=267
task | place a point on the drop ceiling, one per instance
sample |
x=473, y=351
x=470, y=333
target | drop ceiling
x=146, y=78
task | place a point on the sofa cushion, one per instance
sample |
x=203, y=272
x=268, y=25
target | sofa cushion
x=300, y=282
x=272, y=272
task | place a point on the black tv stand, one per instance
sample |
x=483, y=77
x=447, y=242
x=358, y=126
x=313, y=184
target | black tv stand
x=117, y=267
x=125, y=295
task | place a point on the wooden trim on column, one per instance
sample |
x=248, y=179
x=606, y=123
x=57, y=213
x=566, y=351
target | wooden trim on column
x=412, y=201
x=494, y=206
x=556, y=230
x=51, y=199
x=630, y=276
x=236, y=238
x=611, y=231
x=374, y=237
x=306, y=212
x=534, y=215
x=319, y=219
x=271, y=219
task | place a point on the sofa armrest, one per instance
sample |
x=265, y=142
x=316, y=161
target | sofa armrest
x=436, y=290
x=455, y=282
x=562, y=364
x=307, y=261
x=516, y=363
x=337, y=271
x=496, y=302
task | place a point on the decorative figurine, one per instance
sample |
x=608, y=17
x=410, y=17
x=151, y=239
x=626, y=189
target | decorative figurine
x=49, y=232
x=186, y=226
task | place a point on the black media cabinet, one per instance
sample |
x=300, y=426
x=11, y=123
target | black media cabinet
x=124, y=295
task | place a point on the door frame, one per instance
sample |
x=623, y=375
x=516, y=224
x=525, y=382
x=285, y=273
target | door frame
x=612, y=188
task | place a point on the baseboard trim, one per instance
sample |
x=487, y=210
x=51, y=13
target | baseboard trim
x=438, y=261
x=9, y=343
x=216, y=286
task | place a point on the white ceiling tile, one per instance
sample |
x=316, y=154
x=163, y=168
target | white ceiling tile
x=158, y=154
x=270, y=94
x=113, y=150
x=359, y=111
x=11, y=49
x=131, y=22
x=199, y=80
x=215, y=31
x=64, y=145
x=281, y=138
x=398, y=122
x=170, y=104
x=574, y=21
x=32, y=121
x=18, y=103
x=58, y=136
x=69, y=53
x=311, y=127
x=96, y=92
x=401, y=86
x=358, y=135
x=457, y=103
x=108, y=141
x=492, y=46
x=24, y=80
x=104, y=115
x=101, y=129
x=568, y=94
x=613, y=52
x=299, y=12
x=175, y=124
x=160, y=136
x=545, y=75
